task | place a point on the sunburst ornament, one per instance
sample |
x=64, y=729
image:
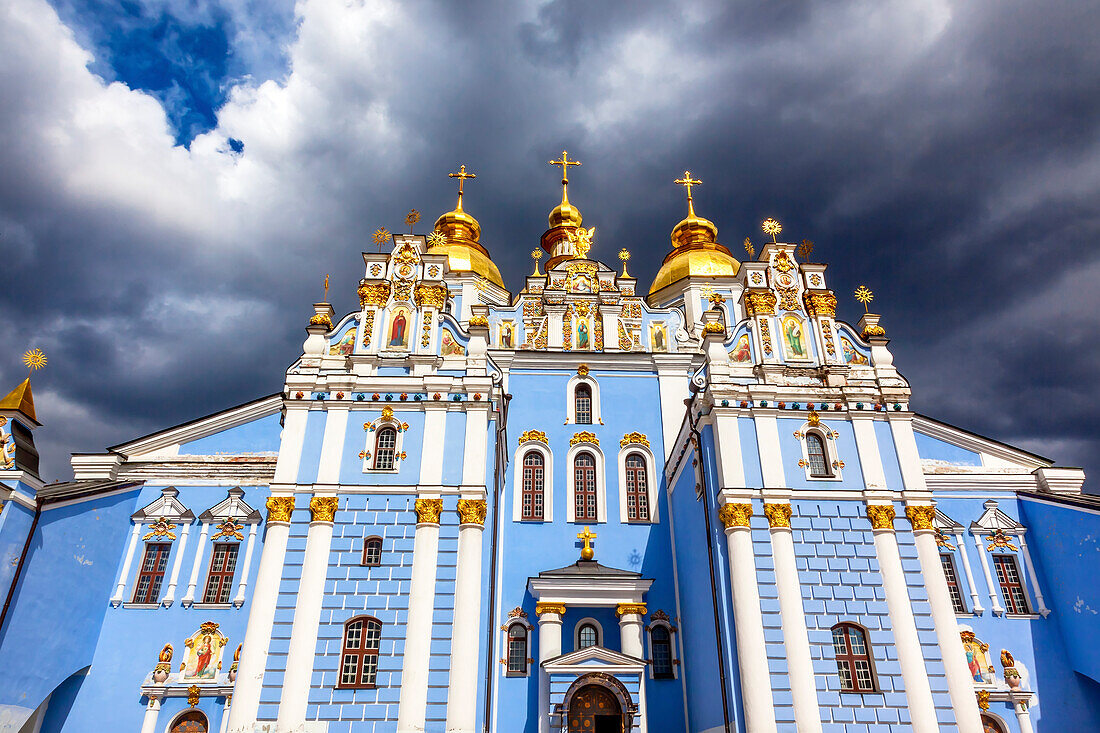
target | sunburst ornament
x=437, y=239
x=865, y=296
x=624, y=256
x=381, y=236
x=536, y=255
x=34, y=359
x=411, y=218
x=805, y=249
x=749, y=248
x=772, y=227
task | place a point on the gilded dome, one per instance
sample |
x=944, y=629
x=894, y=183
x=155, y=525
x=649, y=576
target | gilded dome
x=464, y=252
x=565, y=214
x=695, y=253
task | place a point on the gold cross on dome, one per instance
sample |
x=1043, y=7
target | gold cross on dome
x=687, y=182
x=565, y=163
x=462, y=175
x=587, y=535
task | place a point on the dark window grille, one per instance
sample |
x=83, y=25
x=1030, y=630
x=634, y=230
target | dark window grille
x=517, y=649
x=359, y=665
x=1012, y=587
x=587, y=636
x=637, y=490
x=533, y=472
x=151, y=575
x=372, y=551
x=853, y=659
x=219, y=581
x=584, y=487
x=953, y=583
x=583, y=404
x=815, y=449
x=662, y=652
x=385, y=449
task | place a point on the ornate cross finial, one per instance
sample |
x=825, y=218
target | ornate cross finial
x=565, y=163
x=587, y=535
x=326, y=289
x=687, y=182
x=865, y=296
x=462, y=175
x=536, y=255
x=411, y=218
x=624, y=255
x=381, y=236
x=772, y=227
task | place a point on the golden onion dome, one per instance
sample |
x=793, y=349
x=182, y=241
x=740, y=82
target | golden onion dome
x=565, y=214
x=695, y=251
x=464, y=252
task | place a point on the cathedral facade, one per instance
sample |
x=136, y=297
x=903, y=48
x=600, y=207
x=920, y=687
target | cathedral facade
x=584, y=506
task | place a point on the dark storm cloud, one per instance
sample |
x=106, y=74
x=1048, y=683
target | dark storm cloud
x=945, y=155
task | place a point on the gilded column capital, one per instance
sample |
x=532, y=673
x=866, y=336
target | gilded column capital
x=735, y=515
x=881, y=516
x=428, y=511
x=323, y=508
x=544, y=608
x=279, y=508
x=779, y=515
x=627, y=608
x=921, y=517
x=471, y=511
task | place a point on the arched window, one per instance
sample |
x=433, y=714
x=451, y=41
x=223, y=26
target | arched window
x=661, y=647
x=637, y=489
x=992, y=725
x=517, y=650
x=815, y=450
x=533, y=484
x=583, y=404
x=385, y=449
x=359, y=665
x=587, y=636
x=853, y=658
x=191, y=721
x=584, y=487
x=372, y=551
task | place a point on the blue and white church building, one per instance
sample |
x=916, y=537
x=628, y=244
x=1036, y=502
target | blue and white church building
x=582, y=506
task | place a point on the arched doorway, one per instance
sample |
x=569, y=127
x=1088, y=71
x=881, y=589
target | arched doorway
x=991, y=725
x=594, y=709
x=190, y=722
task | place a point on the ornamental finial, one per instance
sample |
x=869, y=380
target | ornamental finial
x=687, y=182
x=34, y=359
x=325, y=299
x=587, y=535
x=865, y=296
x=381, y=236
x=772, y=227
x=564, y=162
x=411, y=218
x=536, y=255
x=462, y=175
x=624, y=255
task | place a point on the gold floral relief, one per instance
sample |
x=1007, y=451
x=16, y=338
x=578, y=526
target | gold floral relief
x=635, y=438
x=779, y=515
x=735, y=515
x=374, y=296
x=881, y=516
x=536, y=435
x=428, y=511
x=760, y=304
x=584, y=436
x=279, y=508
x=541, y=608
x=921, y=517
x=323, y=508
x=472, y=511
x=627, y=608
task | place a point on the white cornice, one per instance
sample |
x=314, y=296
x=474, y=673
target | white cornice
x=977, y=443
x=201, y=427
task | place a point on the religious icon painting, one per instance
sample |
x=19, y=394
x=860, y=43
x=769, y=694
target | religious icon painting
x=583, y=333
x=449, y=346
x=397, y=335
x=795, y=344
x=203, y=657
x=977, y=658
x=345, y=345
x=742, y=352
x=851, y=356
x=507, y=338
x=658, y=337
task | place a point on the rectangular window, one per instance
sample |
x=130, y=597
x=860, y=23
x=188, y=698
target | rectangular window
x=952, y=583
x=1012, y=587
x=219, y=582
x=151, y=575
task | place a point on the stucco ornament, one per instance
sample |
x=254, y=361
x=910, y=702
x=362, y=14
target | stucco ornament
x=634, y=438
x=543, y=608
x=533, y=435
x=428, y=511
x=735, y=515
x=279, y=508
x=323, y=508
x=1012, y=677
x=471, y=511
x=881, y=516
x=624, y=609
x=161, y=528
x=921, y=517
x=164, y=665
x=779, y=515
x=584, y=436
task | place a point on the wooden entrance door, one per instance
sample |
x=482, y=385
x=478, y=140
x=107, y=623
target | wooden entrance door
x=594, y=709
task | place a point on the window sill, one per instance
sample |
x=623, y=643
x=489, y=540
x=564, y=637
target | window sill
x=356, y=687
x=213, y=606
x=1023, y=615
x=861, y=692
x=147, y=606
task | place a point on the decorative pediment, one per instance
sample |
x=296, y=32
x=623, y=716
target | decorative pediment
x=166, y=507
x=233, y=507
x=993, y=520
x=593, y=656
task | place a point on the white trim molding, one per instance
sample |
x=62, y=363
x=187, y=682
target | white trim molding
x=571, y=403
x=547, y=480
x=372, y=428
x=828, y=442
x=1000, y=529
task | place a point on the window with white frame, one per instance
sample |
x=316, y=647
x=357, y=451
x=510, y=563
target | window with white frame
x=219, y=579
x=385, y=449
x=534, y=477
x=584, y=487
x=637, y=488
x=586, y=633
x=817, y=456
x=952, y=577
x=517, y=649
x=662, y=646
x=1012, y=584
x=582, y=401
x=582, y=398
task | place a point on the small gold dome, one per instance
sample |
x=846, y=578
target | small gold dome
x=464, y=252
x=695, y=253
x=565, y=214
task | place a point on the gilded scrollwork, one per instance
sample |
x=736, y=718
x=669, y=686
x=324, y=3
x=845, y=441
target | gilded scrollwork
x=881, y=516
x=921, y=517
x=279, y=508
x=428, y=511
x=323, y=508
x=472, y=511
x=584, y=436
x=735, y=515
x=760, y=303
x=634, y=438
x=431, y=296
x=535, y=435
x=820, y=303
x=779, y=515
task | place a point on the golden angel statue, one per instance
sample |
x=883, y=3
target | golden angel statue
x=581, y=240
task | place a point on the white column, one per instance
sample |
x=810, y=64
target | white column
x=200, y=551
x=974, y=602
x=152, y=711
x=870, y=460
x=116, y=599
x=466, y=629
x=630, y=629
x=261, y=615
x=1034, y=579
x=959, y=681
x=994, y=590
x=238, y=600
x=767, y=442
x=225, y=712
x=1023, y=717
x=549, y=647
x=748, y=624
x=474, y=458
x=412, y=706
x=796, y=640
x=918, y=692
x=170, y=593
x=307, y=615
